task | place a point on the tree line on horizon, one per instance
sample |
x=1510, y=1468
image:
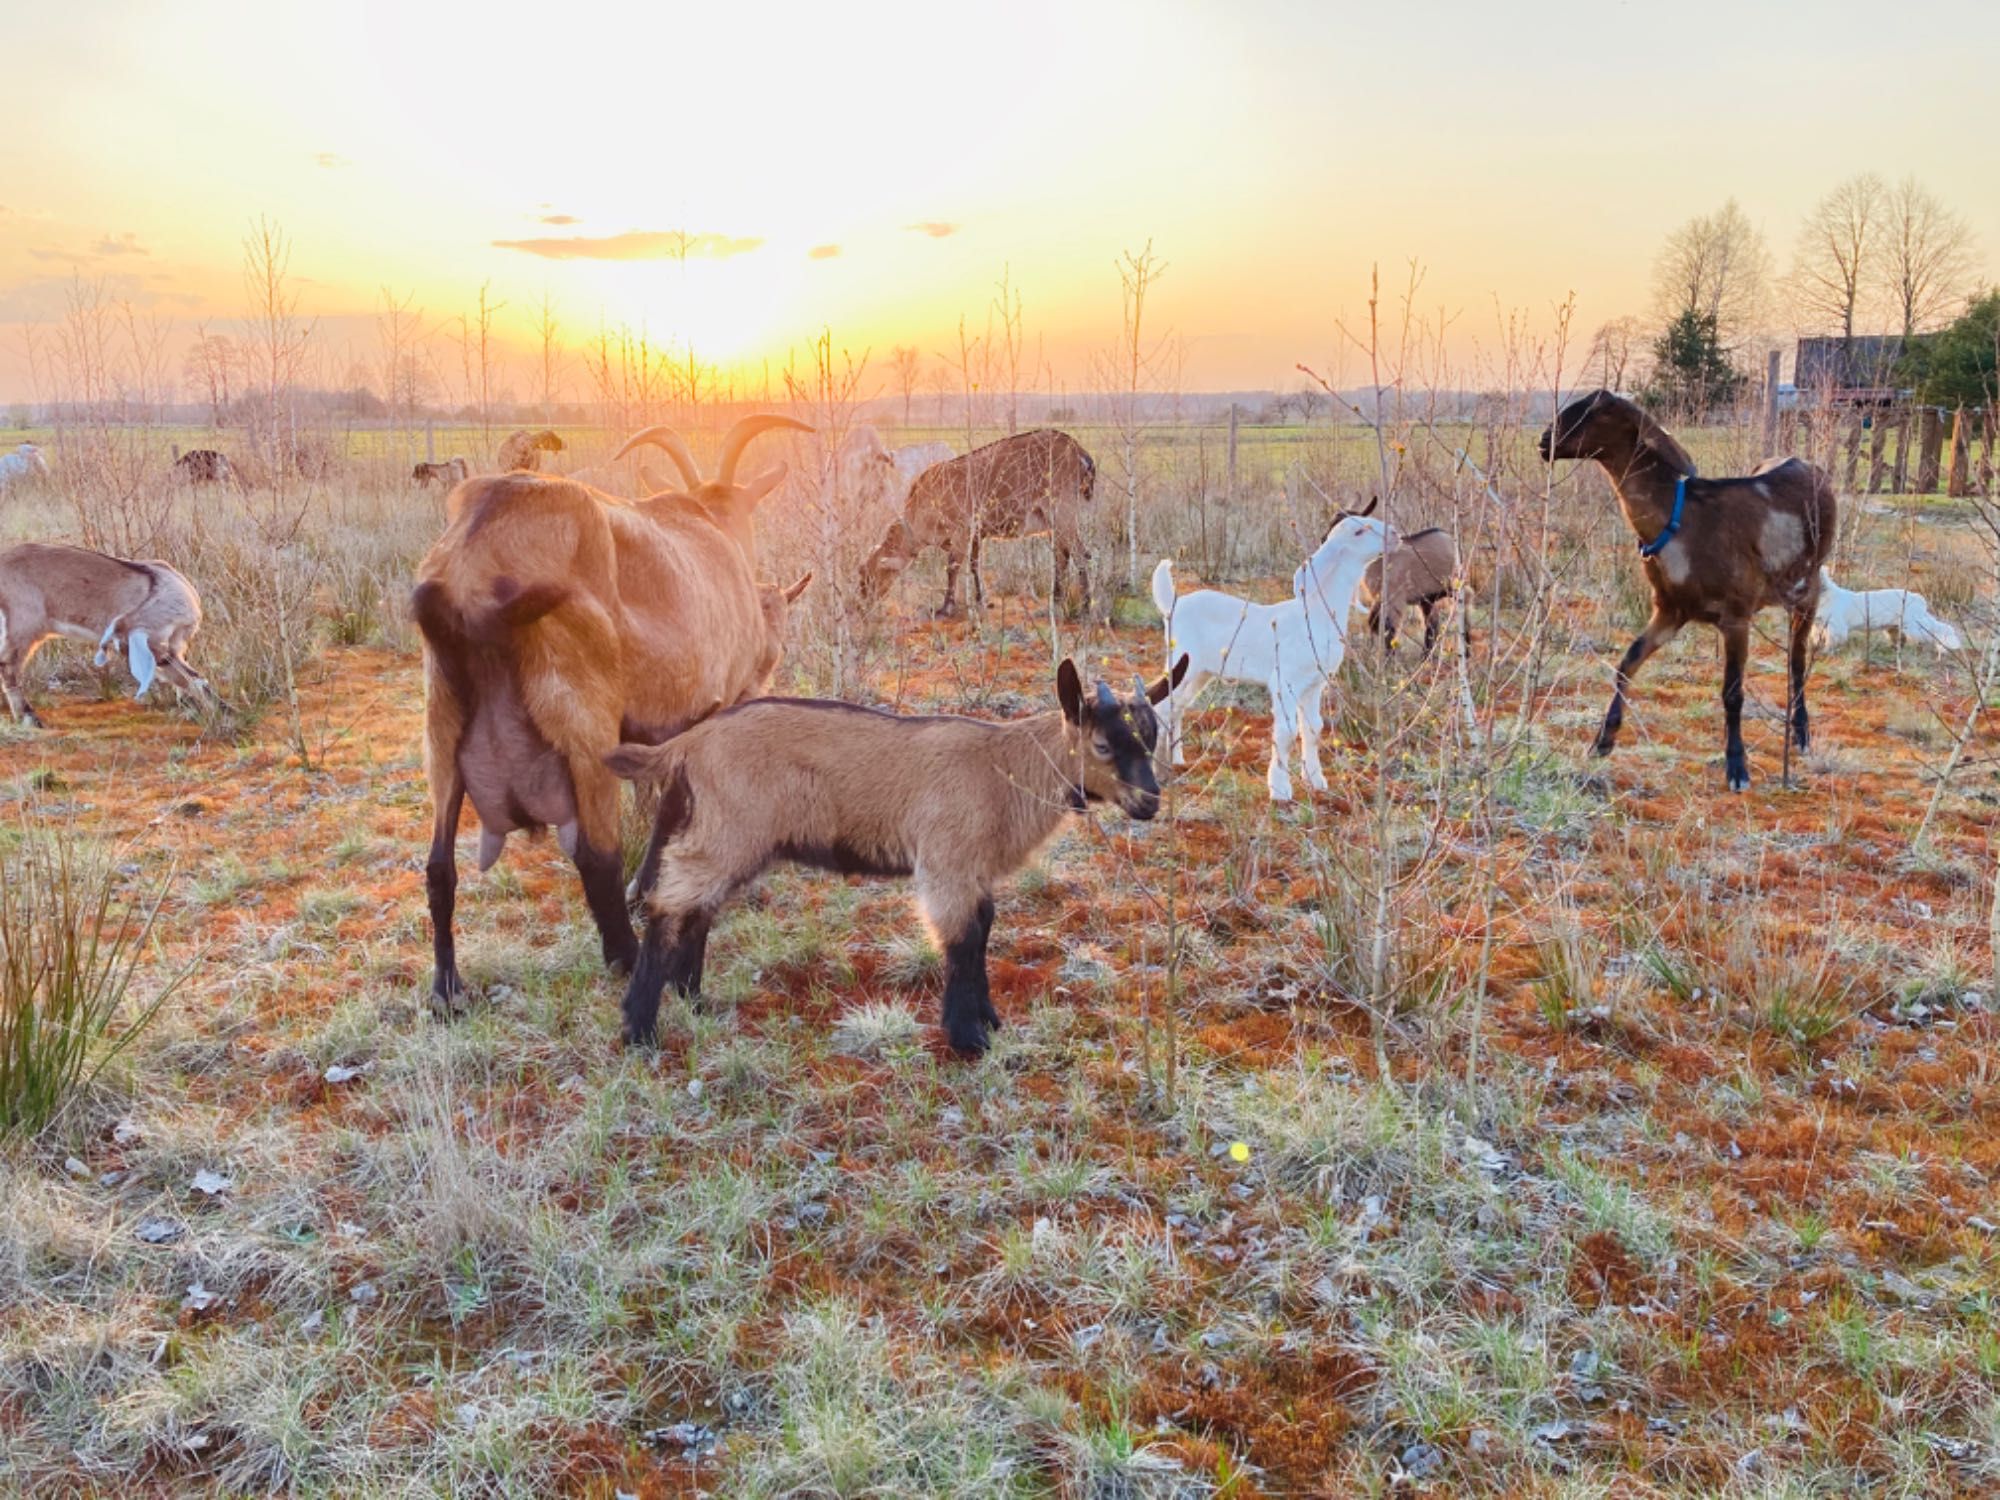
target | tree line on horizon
x=1870, y=258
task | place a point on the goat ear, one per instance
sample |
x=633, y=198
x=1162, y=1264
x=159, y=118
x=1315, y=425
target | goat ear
x=1069, y=691
x=141, y=656
x=1168, y=683
x=1373, y=501
x=754, y=490
x=792, y=593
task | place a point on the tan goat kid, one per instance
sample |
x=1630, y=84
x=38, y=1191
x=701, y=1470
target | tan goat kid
x=145, y=609
x=956, y=803
x=559, y=622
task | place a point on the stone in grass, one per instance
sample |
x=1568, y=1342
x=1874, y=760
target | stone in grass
x=211, y=1184
x=159, y=1231
x=1420, y=1460
x=199, y=1298
x=342, y=1073
x=690, y=1437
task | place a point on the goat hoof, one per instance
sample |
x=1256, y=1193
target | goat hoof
x=968, y=1041
x=1739, y=781
x=448, y=998
x=620, y=960
x=633, y=1034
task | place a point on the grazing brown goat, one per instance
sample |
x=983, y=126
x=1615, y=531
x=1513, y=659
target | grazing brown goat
x=146, y=609
x=1421, y=571
x=1025, y=485
x=956, y=803
x=558, y=622
x=1713, y=550
x=452, y=471
x=205, y=466
x=523, y=450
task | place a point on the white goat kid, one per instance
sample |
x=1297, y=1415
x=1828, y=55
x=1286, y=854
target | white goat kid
x=881, y=475
x=1290, y=648
x=1908, y=613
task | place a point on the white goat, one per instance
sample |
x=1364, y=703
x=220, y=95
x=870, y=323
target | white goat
x=879, y=474
x=25, y=462
x=1908, y=613
x=1291, y=648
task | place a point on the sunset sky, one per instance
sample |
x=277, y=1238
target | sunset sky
x=872, y=168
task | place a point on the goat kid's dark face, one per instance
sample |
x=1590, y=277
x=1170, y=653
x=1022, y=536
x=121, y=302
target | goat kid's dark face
x=1576, y=431
x=890, y=557
x=1118, y=739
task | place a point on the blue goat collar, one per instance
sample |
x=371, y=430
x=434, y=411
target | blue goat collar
x=1658, y=544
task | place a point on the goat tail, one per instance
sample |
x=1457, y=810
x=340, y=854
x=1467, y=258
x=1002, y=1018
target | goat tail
x=636, y=762
x=1163, y=587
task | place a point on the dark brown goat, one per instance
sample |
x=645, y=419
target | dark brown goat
x=1713, y=550
x=1024, y=485
x=1422, y=572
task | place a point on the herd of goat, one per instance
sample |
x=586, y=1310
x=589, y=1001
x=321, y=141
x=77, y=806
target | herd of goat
x=574, y=639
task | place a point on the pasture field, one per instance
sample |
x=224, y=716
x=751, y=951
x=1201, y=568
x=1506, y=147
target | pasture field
x=1501, y=1122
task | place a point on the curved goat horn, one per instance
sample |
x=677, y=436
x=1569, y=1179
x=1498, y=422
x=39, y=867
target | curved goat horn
x=1105, y=700
x=670, y=443
x=739, y=438
x=1139, y=689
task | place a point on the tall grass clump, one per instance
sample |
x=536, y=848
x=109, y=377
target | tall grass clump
x=70, y=945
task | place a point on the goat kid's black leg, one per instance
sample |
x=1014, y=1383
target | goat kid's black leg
x=950, y=606
x=978, y=583
x=968, y=1003
x=604, y=891
x=441, y=885
x=1802, y=623
x=1735, y=654
x=1430, y=628
x=655, y=970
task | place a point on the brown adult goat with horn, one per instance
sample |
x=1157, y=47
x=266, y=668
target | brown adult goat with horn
x=1713, y=550
x=559, y=623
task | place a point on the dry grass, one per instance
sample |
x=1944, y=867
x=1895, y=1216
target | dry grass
x=1713, y=1212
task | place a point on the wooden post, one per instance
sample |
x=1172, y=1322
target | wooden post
x=1960, y=432
x=1853, y=455
x=1877, y=435
x=1771, y=368
x=1901, y=475
x=1229, y=486
x=1930, y=449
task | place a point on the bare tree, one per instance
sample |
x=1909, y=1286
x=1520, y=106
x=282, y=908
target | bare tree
x=397, y=330
x=1714, y=266
x=1927, y=256
x=1008, y=305
x=276, y=345
x=209, y=366
x=909, y=367
x=1840, y=253
x=1123, y=373
x=1613, y=348
x=549, y=332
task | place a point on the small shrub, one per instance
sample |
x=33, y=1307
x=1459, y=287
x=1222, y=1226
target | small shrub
x=69, y=947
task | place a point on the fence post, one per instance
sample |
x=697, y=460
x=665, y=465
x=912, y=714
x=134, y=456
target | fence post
x=1900, y=473
x=1877, y=436
x=1771, y=368
x=1930, y=449
x=1853, y=455
x=1955, y=486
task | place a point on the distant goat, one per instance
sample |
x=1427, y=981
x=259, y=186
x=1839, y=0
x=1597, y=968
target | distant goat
x=1713, y=550
x=146, y=610
x=876, y=474
x=1421, y=572
x=523, y=450
x=452, y=471
x=1902, y=611
x=25, y=462
x=205, y=466
x=956, y=803
x=558, y=622
x=1024, y=485
x=1290, y=648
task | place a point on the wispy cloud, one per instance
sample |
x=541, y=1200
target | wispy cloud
x=560, y=219
x=113, y=246
x=121, y=244
x=823, y=252
x=635, y=244
x=937, y=229
x=331, y=160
